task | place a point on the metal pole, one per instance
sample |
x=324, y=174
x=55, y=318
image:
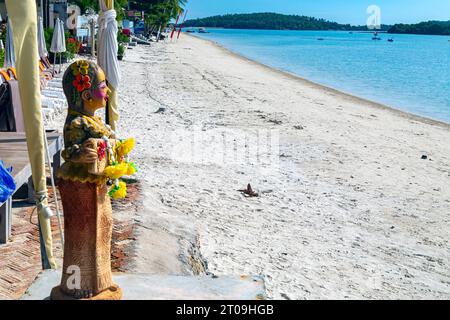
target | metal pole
x=60, y=62
x=93, y=38
x=44, y=258
x=107, y=120
x=181, y=26
x=41, y=9
x=54, y=62
x=58, y=214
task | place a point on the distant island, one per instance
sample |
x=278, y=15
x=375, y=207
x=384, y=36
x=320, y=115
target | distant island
x=441, y=28
x=276, y=21
x=272, y=21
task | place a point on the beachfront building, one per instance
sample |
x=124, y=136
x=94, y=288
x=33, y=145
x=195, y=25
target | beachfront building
x=50, y=10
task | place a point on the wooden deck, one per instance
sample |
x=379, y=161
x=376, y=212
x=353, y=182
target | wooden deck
x=14, y=153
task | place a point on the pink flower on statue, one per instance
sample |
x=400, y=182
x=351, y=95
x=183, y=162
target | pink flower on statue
x=101, y=150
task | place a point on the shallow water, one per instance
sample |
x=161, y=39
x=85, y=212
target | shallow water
x=411, y=74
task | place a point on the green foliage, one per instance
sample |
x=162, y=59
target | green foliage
x=48, y=34
x=121, y=50
x=277, y=21
x=3, y=33
x=122, y=38
x=271, y=21
x=158, y=12
x=172, y=8
x=2, y=58
x=85, y=4
x=3, y=38
x=429, y=27
x=119, y=6
x=72, y=46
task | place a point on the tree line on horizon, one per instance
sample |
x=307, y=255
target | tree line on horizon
x=276, y=21
x=441, y=28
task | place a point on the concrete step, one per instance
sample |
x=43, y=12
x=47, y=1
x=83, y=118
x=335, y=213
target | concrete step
x=162, y=287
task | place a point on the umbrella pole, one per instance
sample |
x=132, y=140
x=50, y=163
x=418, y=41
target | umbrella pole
x=107, y=109
x=60, y=60
x=58, y=213
x=54, y=62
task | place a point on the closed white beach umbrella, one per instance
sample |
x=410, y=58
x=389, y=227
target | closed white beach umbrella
x=10, y=58
x=41, y=39
x=63, y=41
x=107, y=55
x=58, y=43
x=63, y=36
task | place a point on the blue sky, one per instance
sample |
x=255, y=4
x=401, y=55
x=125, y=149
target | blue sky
x=343, y=11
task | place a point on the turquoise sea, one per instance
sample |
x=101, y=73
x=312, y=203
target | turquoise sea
x=411, y=74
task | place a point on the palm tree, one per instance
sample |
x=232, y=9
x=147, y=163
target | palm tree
x=158, y=13
x=174, y=6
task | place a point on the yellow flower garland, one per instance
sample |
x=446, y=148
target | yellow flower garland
x=125, y=147
x=119, y=192
x=116, y=171
x=119, y=169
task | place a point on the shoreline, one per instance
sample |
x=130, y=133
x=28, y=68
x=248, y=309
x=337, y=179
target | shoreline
x=349, y=96
x=354, y=31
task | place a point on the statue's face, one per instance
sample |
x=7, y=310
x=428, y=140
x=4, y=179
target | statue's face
x=97, y=97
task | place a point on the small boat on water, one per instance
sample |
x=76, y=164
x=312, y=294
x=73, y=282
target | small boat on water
x=375, y=36
x=190, y=31
x=320, y=39
x=391, y=40
x=202, y=30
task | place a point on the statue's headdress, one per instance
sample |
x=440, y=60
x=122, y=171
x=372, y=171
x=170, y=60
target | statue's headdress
x=79, y=76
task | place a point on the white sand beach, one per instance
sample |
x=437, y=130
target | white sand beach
x=347, y=207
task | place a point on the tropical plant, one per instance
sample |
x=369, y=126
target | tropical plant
x=48, y=34
x=122, y=38
x=121, y=50
x=73, y=47
x=3, y=33
x=158, y=13
x=2, y=57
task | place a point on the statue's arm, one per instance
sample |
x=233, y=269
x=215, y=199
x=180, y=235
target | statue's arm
x=79, y=148
x=80, y=153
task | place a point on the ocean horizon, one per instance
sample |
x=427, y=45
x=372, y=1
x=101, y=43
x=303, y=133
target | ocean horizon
x=410, y=74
